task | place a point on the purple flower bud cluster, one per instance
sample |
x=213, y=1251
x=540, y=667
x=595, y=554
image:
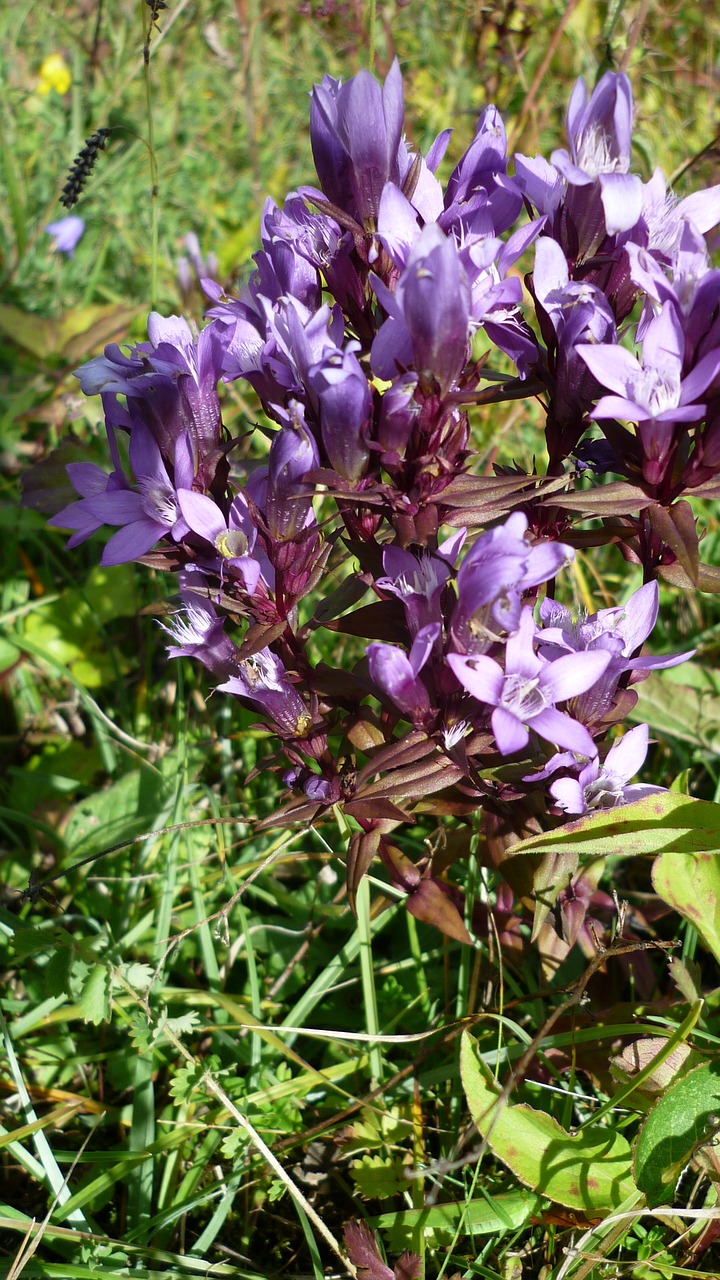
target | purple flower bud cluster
x=356, y=331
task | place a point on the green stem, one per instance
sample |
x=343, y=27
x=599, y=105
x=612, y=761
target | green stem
x=371, y=33
x=368, y=978
x=155, y=207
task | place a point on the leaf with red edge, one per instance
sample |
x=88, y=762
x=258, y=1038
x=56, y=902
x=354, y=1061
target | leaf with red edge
x=619, y=498
x=431, y=903
x=708, y=577
x=676, y=528
x=381, y=620
x=347, y=594
x=363, y=1252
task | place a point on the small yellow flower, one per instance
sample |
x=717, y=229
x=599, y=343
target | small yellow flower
x=54, y=74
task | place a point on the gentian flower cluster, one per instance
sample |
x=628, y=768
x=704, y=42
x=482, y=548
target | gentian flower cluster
x=358, y=331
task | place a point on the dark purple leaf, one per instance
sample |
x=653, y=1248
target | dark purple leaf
x=381, y=620
x=363, y=1252
x=676, y=527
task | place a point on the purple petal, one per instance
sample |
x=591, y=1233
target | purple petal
x=627, y=756
x=521, y=658
x=664, y=341
x=612, y=365
x=574, y=674
x=87, y=478
x=551, y=270
x=480, y=675
x=397, y=224
x=660, y=662
x=184, y=461
x=422, y=646
x=510, y=734
x=699, y=378
x=640, y=616
x=202, y=514
x=702, y=208
x=563, y=731
x=619, y=407
x=171, y=329
x=622, y=197
x=568, y=794
x=132, y=541
x=145, y=457
x=120, y=507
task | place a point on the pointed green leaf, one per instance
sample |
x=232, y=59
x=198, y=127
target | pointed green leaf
x=691, y=884
x=663, y=822
x=495, y=1215
x=589, y=1170
x=685, y=1118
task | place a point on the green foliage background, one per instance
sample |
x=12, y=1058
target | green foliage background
x=152, y=1011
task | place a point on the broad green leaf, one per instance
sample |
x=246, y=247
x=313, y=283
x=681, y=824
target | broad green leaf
x=685, y=1118
x=663, y=822
x=588, y=1170
x=495, y=1215
x=67, y=629
x=71, y=336
x=130, y=806
x=687, y=710
x=691, y=884
x=95, y=995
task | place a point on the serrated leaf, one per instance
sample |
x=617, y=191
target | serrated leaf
x=58, y=972
x=95, y=995
x=378, y=1177
x=184, y=1024
x=234, y=1144
x=186, y=1080
x=589, y=1170
x=373, y=1130
x=138, y=976
x=691, y=885
x=685, y=1118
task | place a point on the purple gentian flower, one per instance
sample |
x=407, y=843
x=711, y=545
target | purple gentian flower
x=399, y=412
x=198, y=631
x=261, y=681
x=66, y=233
x=355, y=133
x=479, y=197
x=428, y=315
x=620, y=632
x=524, y=694
x=604, y=786
x=145, y=515
x=655, y=390
x=397, y=675
x=664, y=215
x=287, y=501
x=419, y=580
x=345, y=401
x=233, y=540
x=500, y=565
x=170, y=384
x=600, y=131
x=653, y=394
x=90, y=481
